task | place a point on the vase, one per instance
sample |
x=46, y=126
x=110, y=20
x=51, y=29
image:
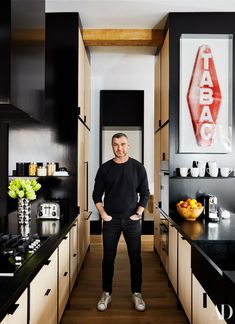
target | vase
x=24, y=211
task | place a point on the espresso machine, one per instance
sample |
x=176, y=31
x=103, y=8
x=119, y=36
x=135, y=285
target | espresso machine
x=210, y=203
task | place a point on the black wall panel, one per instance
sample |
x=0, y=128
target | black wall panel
x=197, y=23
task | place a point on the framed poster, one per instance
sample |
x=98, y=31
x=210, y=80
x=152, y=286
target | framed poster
x=205, y=117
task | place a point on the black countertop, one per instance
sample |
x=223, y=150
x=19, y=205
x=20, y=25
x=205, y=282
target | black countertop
x=224, y=230
x=210, y=265
x=53, y=231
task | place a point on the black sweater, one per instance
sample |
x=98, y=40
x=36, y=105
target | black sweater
x=121, y=183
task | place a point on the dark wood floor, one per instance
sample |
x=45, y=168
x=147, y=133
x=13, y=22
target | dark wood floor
x=161, y=304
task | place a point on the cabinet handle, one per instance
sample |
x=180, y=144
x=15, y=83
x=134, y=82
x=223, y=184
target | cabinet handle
x=47, y=262
x=13, y=308
x=75, y=254
x=204, y=300
x=65, y=237
x=183, y=238
x=89, y=215
x=65, y=274
x=47, y=292
x=74, y=225
x=86, y=186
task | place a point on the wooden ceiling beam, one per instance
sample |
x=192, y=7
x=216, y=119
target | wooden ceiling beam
x=123, y=37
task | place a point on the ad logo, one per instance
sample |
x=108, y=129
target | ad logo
x=224, y=311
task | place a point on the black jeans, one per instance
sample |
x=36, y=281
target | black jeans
x=132, y=233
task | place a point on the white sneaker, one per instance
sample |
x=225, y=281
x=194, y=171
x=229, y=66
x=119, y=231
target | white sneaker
x=104, y=301
x=138, y=301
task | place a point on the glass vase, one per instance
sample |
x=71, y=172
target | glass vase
x=24, y=211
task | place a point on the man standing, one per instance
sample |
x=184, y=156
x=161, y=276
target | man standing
x=123, y=181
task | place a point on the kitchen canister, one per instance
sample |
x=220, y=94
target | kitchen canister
x=42, y=171
x=51, y=168
x=33, y=169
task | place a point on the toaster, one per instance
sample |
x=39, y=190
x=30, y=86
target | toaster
x=48, y=210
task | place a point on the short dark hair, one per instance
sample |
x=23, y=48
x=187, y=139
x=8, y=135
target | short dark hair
x=118, y=135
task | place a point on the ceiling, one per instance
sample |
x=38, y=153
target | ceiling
x=133, y=13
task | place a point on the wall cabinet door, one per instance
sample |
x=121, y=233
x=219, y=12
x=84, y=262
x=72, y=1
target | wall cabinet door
x=87, y=89
x=184, y=274
x=18, y=312
x=203, y=309
x=165, y=142
x=73, y=254
x=84, y=87
x=165, y=80
x=173, y=257
x=43, y=293
x=63, y=275
x=157, y=92
x=81, y=75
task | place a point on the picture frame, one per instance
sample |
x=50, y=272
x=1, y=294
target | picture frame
x=205, y=98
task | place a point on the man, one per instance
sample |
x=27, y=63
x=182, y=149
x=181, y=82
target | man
x=123, y=181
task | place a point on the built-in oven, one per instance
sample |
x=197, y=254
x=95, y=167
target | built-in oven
x=164, y=212
x=164, y=240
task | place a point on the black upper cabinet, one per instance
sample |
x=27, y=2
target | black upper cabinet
x=22, y=59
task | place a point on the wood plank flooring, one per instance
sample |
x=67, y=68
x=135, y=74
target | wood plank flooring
x=161, y=304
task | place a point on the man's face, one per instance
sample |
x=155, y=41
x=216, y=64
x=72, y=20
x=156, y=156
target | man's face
x=120, y=146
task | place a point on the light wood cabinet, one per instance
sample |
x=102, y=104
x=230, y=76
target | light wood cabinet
x=157, y=92
x=73, y=254
x=84, y=155
x=184, y=274
x=84, y=84
x=17, y=313
x=63, y=275
x=81, y=75
x=81, y=193
x=165, y=142
x=43, y=293
x=165, y=80
x=87, y=89
x=173, y=256
x=203, y=309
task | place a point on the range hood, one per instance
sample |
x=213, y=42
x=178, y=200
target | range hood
x=22, y=60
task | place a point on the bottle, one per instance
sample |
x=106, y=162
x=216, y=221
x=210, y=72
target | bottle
x=51, y=168
x=42, y=171
x=33, y=169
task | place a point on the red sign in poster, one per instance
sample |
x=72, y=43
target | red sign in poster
x=205, y=94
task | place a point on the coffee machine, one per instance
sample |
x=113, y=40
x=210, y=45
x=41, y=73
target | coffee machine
x=210, y=203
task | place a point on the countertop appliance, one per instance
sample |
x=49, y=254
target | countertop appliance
x=15, y=250
x=48, y=210
x=210, y=203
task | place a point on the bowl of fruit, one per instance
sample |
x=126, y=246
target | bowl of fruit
x=190, y=209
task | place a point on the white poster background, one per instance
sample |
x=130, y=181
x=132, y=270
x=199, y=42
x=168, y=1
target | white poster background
x=221, y=48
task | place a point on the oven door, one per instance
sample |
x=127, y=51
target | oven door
x=164, y=193
x=164, y=240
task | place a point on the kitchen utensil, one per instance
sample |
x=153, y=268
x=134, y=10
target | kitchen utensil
x=225, y=172
x=184, y=172
x=202, y=167
x=194, y=172
x=213, y=171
